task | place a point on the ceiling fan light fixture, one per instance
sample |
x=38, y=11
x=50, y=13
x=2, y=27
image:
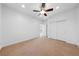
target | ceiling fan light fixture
x=42, y=12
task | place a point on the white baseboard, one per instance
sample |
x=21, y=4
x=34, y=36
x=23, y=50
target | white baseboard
x=77, y=44
x=71, y=42
x=31, y=39
x=18, y=41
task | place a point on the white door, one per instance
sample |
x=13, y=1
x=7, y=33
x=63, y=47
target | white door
x=42, y=30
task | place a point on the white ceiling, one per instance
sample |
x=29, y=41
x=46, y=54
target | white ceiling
x=29, y=7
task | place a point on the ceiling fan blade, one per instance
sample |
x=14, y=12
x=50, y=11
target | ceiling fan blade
x=36, y=10
x=43, y=5
x=45, y=14
x=49, y=10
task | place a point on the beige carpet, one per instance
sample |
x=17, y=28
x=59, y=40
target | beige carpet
x=41, y=47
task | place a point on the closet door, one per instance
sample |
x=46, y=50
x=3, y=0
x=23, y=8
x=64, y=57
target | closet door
x=42, y=30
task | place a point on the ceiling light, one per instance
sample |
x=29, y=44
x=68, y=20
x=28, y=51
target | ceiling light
x=23, y=6
x=57, y=7
x=42, y=12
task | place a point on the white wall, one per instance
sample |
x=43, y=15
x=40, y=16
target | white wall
x=0, y=26
x=17, y=26
x=67, y=30
x=78, y=18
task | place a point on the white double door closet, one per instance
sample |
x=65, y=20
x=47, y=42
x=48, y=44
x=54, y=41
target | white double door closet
x=43, y=29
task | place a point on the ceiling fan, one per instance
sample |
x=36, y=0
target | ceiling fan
x=42, y=10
